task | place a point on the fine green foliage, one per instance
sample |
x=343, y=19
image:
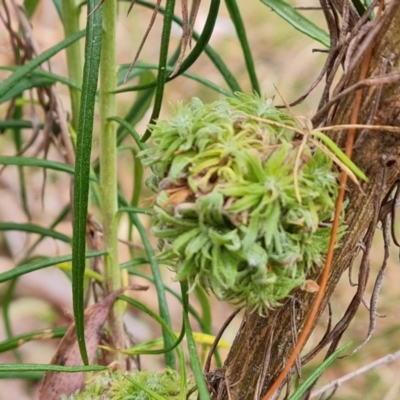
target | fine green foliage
x=227, y=209
x=298, y=21
x=138, y=385
x=301, y=390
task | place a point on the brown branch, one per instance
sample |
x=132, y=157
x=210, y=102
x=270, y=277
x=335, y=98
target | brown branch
x=378, y=154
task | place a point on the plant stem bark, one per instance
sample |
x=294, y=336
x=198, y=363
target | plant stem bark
x=108, y=166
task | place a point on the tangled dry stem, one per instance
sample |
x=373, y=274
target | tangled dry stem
x=378, y=155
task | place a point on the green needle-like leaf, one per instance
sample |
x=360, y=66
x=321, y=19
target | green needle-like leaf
x=298, y=21
x=22, y=72
x=82, y=169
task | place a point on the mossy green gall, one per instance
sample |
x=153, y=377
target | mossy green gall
x=242, y=204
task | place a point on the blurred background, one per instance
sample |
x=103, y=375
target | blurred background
x=284, y=60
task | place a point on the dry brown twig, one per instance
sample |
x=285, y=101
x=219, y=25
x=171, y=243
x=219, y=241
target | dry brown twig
x=338, y=382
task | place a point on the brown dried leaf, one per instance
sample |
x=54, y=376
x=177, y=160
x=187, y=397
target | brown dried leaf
x=311, y=286
x=178, y=197
x=54, y=384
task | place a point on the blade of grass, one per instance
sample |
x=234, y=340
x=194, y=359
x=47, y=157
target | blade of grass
x=6, y=316
x=162, y=64
x=208, y=50
x=302, y=389
x=48, y=367
x=54, y=78
x=236, y=18
x=194, y=358
x=16, y=341
x=139, y=107
x=36, y=162
x=36, y=265
x=298, y=21
x=166, y=327
x=24, y=84
x=82, y=168
x=192, y=311
x=70, y=20
x=32, y=228
x=190, y=75
x=19, y=74
x=155, y=269
x=17, y=136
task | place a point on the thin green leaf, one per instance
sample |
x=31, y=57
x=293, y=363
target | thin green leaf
x=54, y=78
x=236, y=18
x=166, y=327
x=190, y=75
x=60, y=217
x=16, y=341
x=30, y=7
x=131, y=130
x=36, y=162
x=194, y=358
x=82, y=169
x=162, y=72
x=298, y=21
x=16, y=124
x=155, y=269
x=18, y=142
x=137, y=210
x=48, y=367
x=301, y=390
x=48, y=262
x=204, y=38
x=132, y=271
x=340, y=154
x=24, y=84
x=208, y=50
x=140, y=106
x=16, y=77
x=6, y=301
x=145, y=389
x=32, y=228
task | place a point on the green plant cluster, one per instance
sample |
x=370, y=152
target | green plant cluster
x=241, y=203
x=137, y=385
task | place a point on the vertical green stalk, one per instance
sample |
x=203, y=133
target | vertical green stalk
x=71, y=13
x=108, y=164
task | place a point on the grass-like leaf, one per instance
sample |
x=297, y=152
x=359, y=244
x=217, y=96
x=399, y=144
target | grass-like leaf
x=208, y=50
x=48, y=262
x=194, y=358
x=17, y=341
x=301, y=390
x=36, y=162
x=167, y=332
x=48, y=367
x=22, y=72
x=298, y=21
x=162, y=72
x=155, y=269
x=32, y=228
x=82, y=169
x=236, y=18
